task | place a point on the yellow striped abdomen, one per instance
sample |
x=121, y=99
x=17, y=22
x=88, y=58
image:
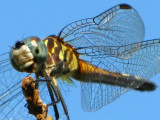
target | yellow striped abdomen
x=91, y=74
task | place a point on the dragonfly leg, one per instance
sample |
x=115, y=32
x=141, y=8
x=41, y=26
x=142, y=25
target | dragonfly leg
x=53, y=100
x=54, y=86
x=59, y=96
x=63, y=103
x=49, y=88
x=51, y=94
x=37, y=83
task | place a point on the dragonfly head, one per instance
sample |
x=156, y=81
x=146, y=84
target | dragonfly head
x=27, y=53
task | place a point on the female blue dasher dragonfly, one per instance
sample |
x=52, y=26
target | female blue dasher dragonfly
x=111, y=41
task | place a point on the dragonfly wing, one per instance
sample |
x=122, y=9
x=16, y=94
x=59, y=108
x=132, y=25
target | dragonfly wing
x=12, y=106
x=143, y=64
x=102, y=41
x=12, y=101
x=120, y=25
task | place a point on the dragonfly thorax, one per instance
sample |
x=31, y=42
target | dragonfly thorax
x=61, y=59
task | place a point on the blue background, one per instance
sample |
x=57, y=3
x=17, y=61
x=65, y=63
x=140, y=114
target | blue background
x=23, y=18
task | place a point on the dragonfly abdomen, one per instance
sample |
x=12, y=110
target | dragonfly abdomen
x=92, y=74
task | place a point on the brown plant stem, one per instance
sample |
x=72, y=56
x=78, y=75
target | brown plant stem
x=35, y=105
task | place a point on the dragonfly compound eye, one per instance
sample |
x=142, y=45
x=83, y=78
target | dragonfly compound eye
x=38, y=49
x=26, y=54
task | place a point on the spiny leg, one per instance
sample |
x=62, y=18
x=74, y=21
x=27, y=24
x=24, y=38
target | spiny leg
x=37, y=83
x=59, y=96
x=50, y=92
x=53, y=100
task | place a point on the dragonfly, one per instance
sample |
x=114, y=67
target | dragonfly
x=106, y=54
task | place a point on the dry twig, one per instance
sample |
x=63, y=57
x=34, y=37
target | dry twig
x=35, y=105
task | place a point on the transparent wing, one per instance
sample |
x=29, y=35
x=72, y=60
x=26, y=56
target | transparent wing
x=143, y=63
x=12, y=102
x=120, y=25
x=106, y=41
x=11, y=97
